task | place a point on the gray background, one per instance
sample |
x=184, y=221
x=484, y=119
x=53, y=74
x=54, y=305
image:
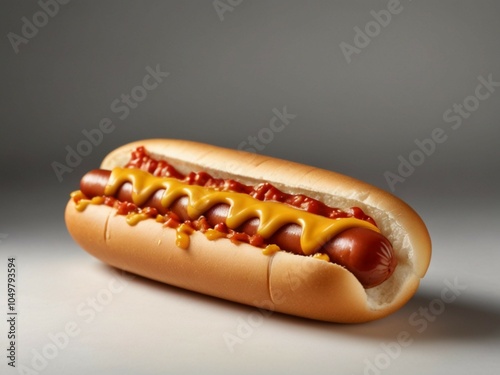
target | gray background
x=226, y=77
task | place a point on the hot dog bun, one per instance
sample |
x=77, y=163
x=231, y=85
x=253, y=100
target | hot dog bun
x=282, y=282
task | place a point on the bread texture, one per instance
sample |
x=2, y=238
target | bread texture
x=282, y=282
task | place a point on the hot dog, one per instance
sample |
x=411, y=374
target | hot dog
x=368, y=254
x=358, y=267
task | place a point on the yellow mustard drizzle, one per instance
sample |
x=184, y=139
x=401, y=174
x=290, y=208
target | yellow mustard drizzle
x=213, y=234
x=270, y=249
x=182, y=236
x=134, y=217
x=316, y=229
x=321, y=256
x=82, y=203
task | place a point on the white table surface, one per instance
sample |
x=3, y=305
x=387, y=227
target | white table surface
x=121, y=324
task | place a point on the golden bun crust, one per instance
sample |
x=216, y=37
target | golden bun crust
x=282, y=282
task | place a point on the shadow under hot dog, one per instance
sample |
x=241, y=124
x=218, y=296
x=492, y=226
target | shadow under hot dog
x=421, y=318
x=461, y=320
